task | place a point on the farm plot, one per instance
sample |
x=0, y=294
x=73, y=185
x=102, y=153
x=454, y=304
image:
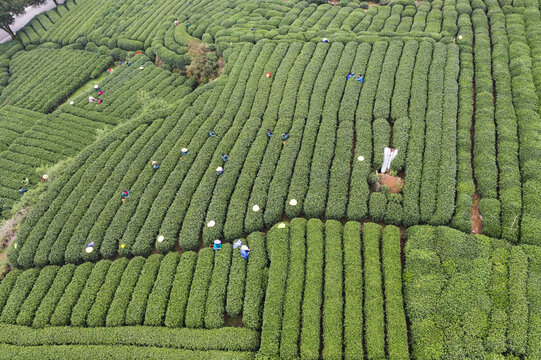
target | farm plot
x=318, y=272
x=42, y=79
x=317, y=171
x=133, y=25
x=470, y=295
x=42, y=141
x=129, y=88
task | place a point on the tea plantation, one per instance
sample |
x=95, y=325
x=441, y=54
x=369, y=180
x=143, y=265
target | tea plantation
x=135, y=134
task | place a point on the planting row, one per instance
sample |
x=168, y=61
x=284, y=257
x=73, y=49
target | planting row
x=470, y=295
x=190, y=291
x=307, y=164
x=129, y=88
x=42, y=79
x=42, y=142
x=135, y=25
x=330, y=296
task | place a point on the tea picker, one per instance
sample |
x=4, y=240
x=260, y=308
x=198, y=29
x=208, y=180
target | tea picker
x=244, y=252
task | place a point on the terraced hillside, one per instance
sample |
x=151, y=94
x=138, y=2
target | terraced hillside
x=266, y=124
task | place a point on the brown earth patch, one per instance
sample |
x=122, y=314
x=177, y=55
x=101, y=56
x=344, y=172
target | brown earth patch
x=476, y=219
x=395, y=183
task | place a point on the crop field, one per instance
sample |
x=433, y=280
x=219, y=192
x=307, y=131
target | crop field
x=163, y=126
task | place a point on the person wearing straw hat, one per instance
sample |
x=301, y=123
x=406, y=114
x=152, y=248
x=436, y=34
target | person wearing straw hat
x=244, y=252
x=217, y=245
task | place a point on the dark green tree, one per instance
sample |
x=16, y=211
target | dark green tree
x=9, y=9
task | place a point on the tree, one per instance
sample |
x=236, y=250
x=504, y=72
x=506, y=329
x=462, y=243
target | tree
x=9, y=9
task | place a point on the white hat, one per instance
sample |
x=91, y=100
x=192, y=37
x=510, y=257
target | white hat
x=211, y=223
x=96, y=86
x=255, y=208
x=141, y=68
x=245, y=248
x=217, y=241
x=160, y=238
x=293, y=202
x=219, y=168
x=45, y=177
x=281, y=225
x=360, y=158
x=72, y=102
x=459, y=37
x=184, y=150
x=89, y=249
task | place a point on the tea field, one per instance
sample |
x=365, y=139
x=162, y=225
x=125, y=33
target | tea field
x=164, y=126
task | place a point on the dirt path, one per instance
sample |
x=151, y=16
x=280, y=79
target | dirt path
x=476, y=220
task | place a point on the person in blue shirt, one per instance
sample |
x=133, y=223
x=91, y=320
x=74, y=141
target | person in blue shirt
x=361, y=79
x=219, y=171
x=217, y=245
x=125, y=194
x=325, y=40
x=285, y=136
x=155, y=165
x=184, y=151
x=212, y=133
x=21, y=190
x=244, y=252
x=269, y=132
x=225, y=157
x=350, y=75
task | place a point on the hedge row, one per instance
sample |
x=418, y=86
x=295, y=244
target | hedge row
x=396, y=329
x=465, y=185
x=417, y=111
x=278, y=246
x=446, y=183
x=333, y=301
x=215, y=307
x=506, y=122
x=313, y=291
x=432, y=158
x=527, y=111
x=180, y=291
x=316, y=195
x=353, y=292
x=303, y=172
x=233, y=339
x=277, y=198
x=34, y=73
x=341, y=164
x=373, y=294
x=255, y=281
x=158, y=298
x=294, y=292
x=359, y=191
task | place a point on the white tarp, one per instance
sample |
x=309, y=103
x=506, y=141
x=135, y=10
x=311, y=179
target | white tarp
x=388, y=155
